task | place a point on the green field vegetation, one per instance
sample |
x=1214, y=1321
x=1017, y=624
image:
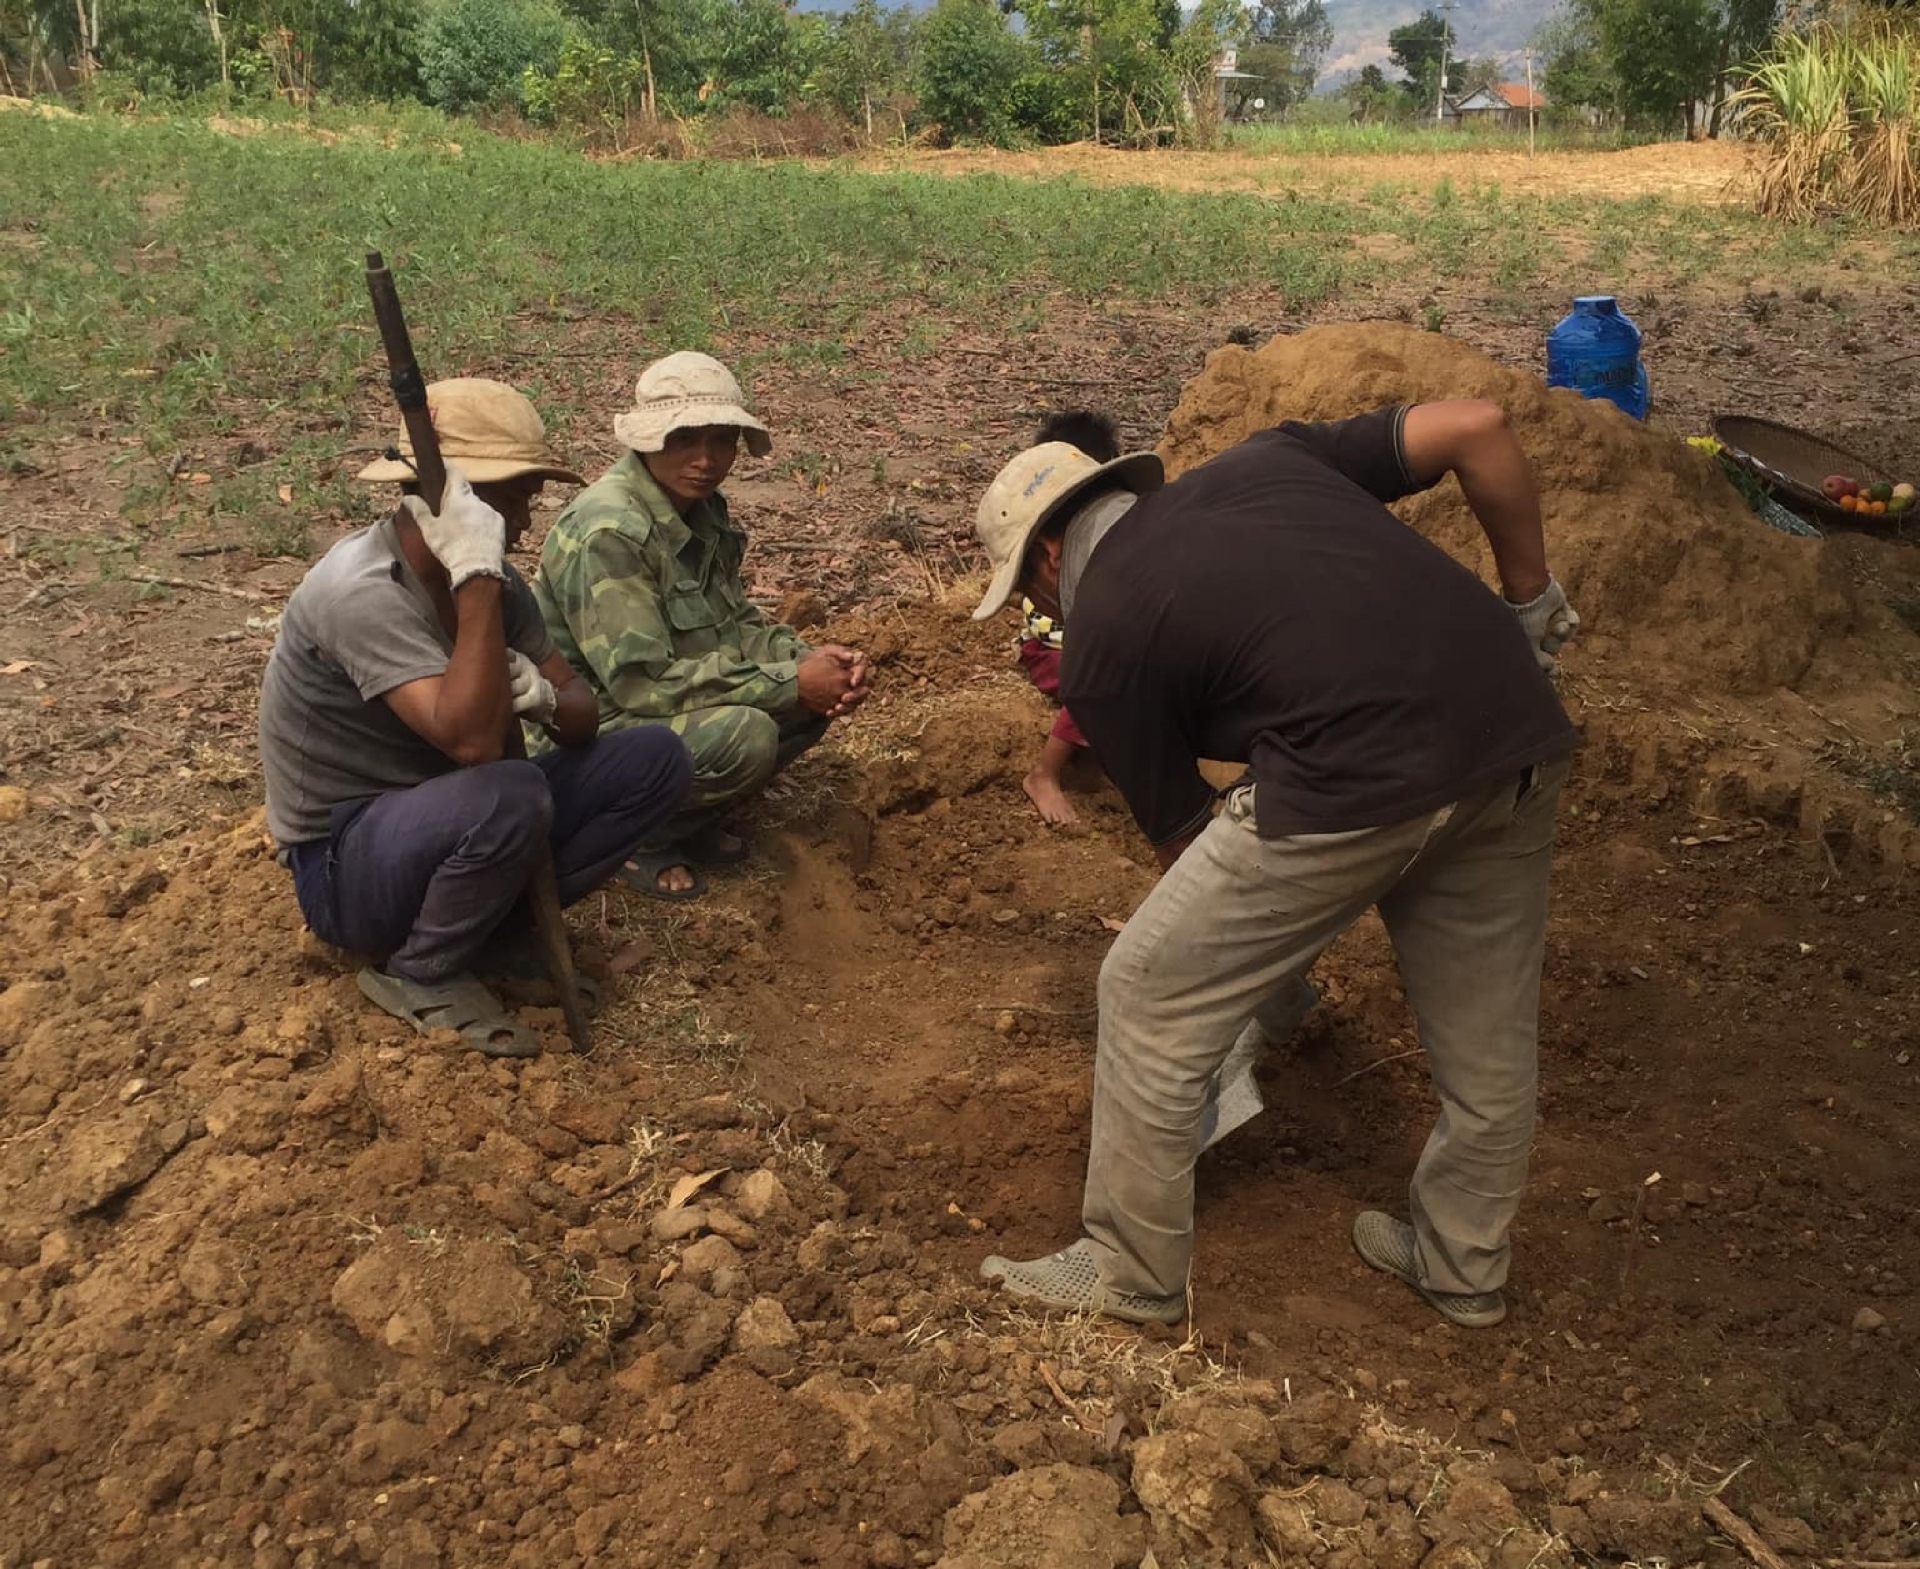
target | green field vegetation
x=160, y=276
x=1319, y=135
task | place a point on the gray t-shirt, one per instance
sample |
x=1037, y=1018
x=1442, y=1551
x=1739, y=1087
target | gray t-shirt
x=359, y=625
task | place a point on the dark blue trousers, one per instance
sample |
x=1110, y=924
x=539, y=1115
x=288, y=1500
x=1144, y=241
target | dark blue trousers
x=422, y=878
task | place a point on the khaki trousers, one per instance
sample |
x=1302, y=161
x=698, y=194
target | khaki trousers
x=1237, y=919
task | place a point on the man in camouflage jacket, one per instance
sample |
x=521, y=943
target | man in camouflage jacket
x=640, y=584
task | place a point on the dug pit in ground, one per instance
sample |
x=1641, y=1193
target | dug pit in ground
x=281, y=1286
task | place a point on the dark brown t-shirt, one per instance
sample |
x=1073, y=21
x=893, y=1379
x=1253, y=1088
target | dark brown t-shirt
x=1267, y=608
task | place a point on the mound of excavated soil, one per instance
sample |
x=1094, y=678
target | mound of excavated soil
x=1678, y=584
x=283, y=1286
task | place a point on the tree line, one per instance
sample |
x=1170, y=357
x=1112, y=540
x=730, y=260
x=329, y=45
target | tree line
x=1133, y=71
x=1680, y=66
x=1037, y=70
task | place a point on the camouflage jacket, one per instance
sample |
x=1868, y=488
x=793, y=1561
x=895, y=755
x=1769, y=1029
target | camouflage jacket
x=650, y=607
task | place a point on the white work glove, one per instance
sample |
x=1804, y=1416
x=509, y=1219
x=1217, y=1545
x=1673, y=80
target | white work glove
x=1549, y=622
x=466, y=536
x=533, y=695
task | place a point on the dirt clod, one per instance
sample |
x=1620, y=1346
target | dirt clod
x=1052, y=1517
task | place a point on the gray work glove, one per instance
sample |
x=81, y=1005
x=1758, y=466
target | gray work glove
x=466, y=536
x=534, y=698
x=1549, y=622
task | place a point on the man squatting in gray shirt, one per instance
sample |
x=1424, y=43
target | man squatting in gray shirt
x=403, y=657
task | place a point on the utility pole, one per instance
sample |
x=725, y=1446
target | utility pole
x=1446, y=39
x=1529, y=100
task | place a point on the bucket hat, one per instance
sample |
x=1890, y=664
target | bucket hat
x=489, y=429
x=685, y=390
x=1033, y=488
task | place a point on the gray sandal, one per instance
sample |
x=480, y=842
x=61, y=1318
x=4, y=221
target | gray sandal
x=520, y=961
x=460, y=1004
x=1387, y=1245
x=643, y=868
x=1070, y=1279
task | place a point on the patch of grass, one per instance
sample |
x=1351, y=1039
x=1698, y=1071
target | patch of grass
x=177, y=282
x=696, y=1037
x=1348, y=140
x=1890, y=773
x=178, y=274
x=1897, y=783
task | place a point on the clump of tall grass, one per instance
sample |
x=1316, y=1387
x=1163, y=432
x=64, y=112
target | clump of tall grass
x=1885, y=182
x=1838, y=122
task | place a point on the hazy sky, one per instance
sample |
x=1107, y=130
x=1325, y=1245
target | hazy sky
x=1484, y=27
x=1360, y=27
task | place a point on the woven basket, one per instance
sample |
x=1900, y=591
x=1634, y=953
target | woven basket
x=1794, y=462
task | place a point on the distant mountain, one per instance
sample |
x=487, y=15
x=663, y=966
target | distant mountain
x=1360, y=27
x=1483, y=27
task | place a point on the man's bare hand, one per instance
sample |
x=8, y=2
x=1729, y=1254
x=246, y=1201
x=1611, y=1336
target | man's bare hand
x=833, y=680
x=824, y=679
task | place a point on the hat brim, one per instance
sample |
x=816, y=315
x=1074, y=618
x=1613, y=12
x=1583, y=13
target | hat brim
x=479, y=471
x=1140, y=472
x=646, y=430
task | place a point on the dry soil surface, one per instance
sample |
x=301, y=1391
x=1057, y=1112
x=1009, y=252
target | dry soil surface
x=281, y=1284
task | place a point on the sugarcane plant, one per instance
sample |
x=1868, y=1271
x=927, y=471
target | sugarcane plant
x=1836, y=118
x=1884, y=182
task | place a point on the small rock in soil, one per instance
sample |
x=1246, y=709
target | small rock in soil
x=732, y=1227
x=761, y=1194
x=707, y=1257
x=763, y=1323
x=116, y=1153
x=1054, y=1517
x=675, y=1225
x=1288, y=1525
x=1196, y=1491
x=1866, y=1321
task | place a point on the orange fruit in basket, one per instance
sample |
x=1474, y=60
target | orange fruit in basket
x=1846, y=503
x=1877, y=508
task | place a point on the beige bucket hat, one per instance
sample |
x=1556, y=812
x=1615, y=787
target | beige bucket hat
x=1033, y=488
x=488, y=429
x=682, y=390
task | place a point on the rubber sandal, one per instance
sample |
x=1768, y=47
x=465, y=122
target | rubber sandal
x=705, y=847
x=1387, y=1245
x=520, y=960
x=1070, y=1280
x=461, y=1004
x=643, y=869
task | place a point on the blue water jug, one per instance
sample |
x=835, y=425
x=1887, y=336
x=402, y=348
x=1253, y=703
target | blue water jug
x=1596, y=352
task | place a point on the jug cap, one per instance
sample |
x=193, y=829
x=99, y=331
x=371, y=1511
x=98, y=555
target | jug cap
x=1599, y=302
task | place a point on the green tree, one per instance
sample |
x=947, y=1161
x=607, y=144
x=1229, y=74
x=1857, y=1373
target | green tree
x=1664, y=55
x=1577, y=75
x=1287, y=43
x=163, y=46
x=679, y=44
x=1214, y=26
x=1418, y=50
x=1108, y=55
x=760, y=54
x=368, y=49
x=475, y=53
x=1652, y=62
x=1477, y=75
x=969, y=62
x=1748, y=26
x=1370, y=96
x=867, y=59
